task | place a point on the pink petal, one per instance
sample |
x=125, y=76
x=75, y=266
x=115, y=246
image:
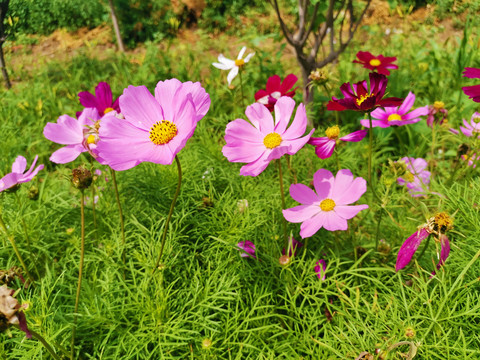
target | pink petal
x=355, y=136
x=243, y=153
x=351, y=194
x=407, y=104
x=288, y=83
x=261, y=118
x=19, y=165
x=326, y=150
x=103, y=92
x=283, y=112
x=242, y=132
x=299, y=124
x=310, y=226
x=256, y=167
x=349, y=211
x=200, y=98
x=333, y=222
x=297, y=144
x=421, y=111
x=67, y=131
x=273, y=84
x=67, y=154
x=409, y=247
x=87, y=99
x=323, y=181
x=301, y=213
x=140, y=107
x=342, y=182
x=375, y=123
x=303, y=194
x=472, y=73
x=166, y=95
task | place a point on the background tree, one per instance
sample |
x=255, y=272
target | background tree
x=3, y=37
x=115, y=26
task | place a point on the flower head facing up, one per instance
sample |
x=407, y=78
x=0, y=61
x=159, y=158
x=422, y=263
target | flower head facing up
x=473, y=92
x=437, y=114
x=247, y=249
x=329, y=205
x=155, y=128
x=361, y=97
x=275, y=89
x=264, y=139
x=416, y=177
x=320, y=268
x=379, y=63
x=18, y=174
x=102, y=100
x=233, y=65
x=324, y=146
x=398, y=115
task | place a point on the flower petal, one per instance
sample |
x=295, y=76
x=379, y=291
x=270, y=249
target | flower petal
x=303, y=194
x=323, y=182
x=409, y=247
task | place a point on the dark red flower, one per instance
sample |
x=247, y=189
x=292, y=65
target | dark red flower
x=473, y=92
x=102, y=100
x=379, y=63
x=359, y=98
x=276, y=89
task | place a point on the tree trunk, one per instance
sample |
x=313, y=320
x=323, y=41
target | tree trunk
x=4, y=69
x=3, y=13
x=116, y=27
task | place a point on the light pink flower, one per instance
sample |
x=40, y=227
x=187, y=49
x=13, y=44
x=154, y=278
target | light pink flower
x=397, y=116
x=329, y=205
x=324, y=146
x=265, y=139
x=471, y=128
x=320, y=268
x=156, y=128
x=471, y=159
x=247, y=249
x=18, y=174
x=417, y=177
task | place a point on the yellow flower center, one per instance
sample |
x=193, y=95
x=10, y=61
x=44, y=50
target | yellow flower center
x=409, y=176
x=333, y=132
x=327, y=205
x=394, y=117
x=239, y=62
x=362, y=98
x=91, y=139
x=107, y=110
x=438, y=105
x=272, y=140
x=443, y=221
x=162, y=132
x=375, y=62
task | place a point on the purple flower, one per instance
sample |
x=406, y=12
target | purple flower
x=416, y=177
x=471, y=128
x=329, y=205
x=293, y=245
x=102, y=100
x=18, y=174
x=320, y=268
x=471, y=159
x=247, y=249
x=437, y=114
x=473, y=92
x=396, y=115
x=324, y=146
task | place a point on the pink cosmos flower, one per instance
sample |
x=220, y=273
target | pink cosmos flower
x=155, y=128
x=416, y=177
x=470, y=129
x=473, y=92
x=293, y=245
x=102, y=100
x=275, y=90
x=79, y=135
x=379, y=63
x=324, y=146
x=247, y=249
x=360, y=97
x=437, y=225
x=327, y=206
x=265, y=139
x=437, y=114
x=320, y=268
x=471, y=159
x=396, y=115
x=18, y=174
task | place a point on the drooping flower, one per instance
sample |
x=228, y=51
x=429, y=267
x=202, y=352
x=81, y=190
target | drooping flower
x=379, y=63
x=102, y=100
x=416, y=178
x=233, y=65
x=437, y=114
x=275, y=89
x=437, y=225
x=155, y=128
x=361, y=97
x=265, y=139
x=18, y=174
x=247, y=249
x=471, y=128
x=397, y=116
x=320, y=267
x=324, y=146
x=79, y=135
x=11, y=311
x=293, y=245
x=473, y=92
x=329, y=205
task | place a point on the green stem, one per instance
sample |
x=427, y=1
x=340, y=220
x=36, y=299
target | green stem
x=293, y=172
x=432, y=162
x=120, y=214
x=172, y=206
x=19, y=256
x=282, y=195
x=377, y=234
x=241, y=87
x=337, y=159
x=43, y=341
x=80, y=273
x=93, y=209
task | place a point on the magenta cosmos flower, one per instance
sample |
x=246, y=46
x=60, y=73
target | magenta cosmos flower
x=102, y=100
x=437, y=114
x=79, y=135
x=324, y=146
x=416, y=177
x=437, y=225
x=473, y=92
x=320, y=267
x=293, y=246
x=18, y=174
x=155, y=128
x=247, y=249
x=264, y=139
x=275, y=90
x=397, y=116
x=360, y=97
x=329, y=205
x=379, y=63
x=471, y=128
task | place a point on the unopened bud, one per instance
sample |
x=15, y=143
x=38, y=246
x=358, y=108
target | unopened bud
x=284, y=260
x=206, y=343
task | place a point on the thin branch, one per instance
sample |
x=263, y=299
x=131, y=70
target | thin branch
x=287, y=35
x=310, y=27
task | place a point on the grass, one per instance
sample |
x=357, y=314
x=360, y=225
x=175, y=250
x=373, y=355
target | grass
x=205, y=290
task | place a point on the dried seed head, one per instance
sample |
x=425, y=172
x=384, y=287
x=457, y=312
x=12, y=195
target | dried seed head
x=81, y=178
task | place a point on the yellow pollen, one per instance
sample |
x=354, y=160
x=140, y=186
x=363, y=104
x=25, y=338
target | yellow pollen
x=91, y=139
x=362, y=98
x=375, y=62
x=443, y=220
x=438, y=105
x=272, y=140
x=107, y=110
x=327, y=205
x=394, y=117
x=239, y=62
x=409, y=177
x=162, y=132
x=333, y=132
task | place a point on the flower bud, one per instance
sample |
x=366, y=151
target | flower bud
x=33, y=192
x=81, y=178
x=206, y=343
x=409, y=332
x=284, y=260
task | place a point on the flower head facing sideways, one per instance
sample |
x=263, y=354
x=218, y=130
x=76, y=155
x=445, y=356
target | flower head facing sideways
x=233, y=65
x=155, y=128
x=264, y=138
x=416, y=178
x=397, y=116
x=437, y=225
x=327, y=206
x=437, y=114
x=379, y=63
x=247, y=249
x=18, y=174
x=473, y=92
x=275, y=89
x=102, y=100
x=320, y=267
x=361, y=97
x=471, y=128
x=11, y=311
x=324, y=146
